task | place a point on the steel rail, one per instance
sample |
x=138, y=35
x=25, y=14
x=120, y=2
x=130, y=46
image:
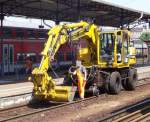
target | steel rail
x=47, y=109
x=122, y=114
x=132, y=116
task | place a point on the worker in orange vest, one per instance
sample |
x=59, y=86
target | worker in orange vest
x=81, y=74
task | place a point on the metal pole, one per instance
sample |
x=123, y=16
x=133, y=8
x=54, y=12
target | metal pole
x=78, y=9
x=1, y=19
x=143, y=52
x=121, y=19
x=148, y=53
x=57, y=13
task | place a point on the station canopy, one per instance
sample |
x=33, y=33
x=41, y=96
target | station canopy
x=105, y=14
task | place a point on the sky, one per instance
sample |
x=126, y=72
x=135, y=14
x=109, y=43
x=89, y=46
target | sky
x=142, y=5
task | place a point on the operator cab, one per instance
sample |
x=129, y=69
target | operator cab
x=115, y=49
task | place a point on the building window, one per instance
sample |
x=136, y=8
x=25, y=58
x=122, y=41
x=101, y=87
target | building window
x=7, y=33
x=19, y=33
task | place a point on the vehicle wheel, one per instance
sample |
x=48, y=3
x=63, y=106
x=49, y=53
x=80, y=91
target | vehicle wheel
x=131, y=81
x=93, y=91
x=114, y=84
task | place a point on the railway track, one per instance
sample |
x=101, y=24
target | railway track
x=30, y=111
x=26, y=110
x=139, y=112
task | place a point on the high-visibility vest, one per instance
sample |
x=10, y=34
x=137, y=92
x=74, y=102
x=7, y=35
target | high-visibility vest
x=81, y=83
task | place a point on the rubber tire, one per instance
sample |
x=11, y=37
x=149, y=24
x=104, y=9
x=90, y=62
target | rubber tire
x=114, y=84
x=130, y=83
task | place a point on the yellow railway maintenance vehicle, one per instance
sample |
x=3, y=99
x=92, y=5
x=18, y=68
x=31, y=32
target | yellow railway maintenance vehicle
x=107, y=56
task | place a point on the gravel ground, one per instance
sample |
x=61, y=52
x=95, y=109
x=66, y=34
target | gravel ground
x=23, y=109
x=91, y=110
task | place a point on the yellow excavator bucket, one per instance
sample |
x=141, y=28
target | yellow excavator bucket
x=59, y=94
x=46, y=88
x=64, y=93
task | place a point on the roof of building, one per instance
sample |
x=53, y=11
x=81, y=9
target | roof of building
x=105, y=13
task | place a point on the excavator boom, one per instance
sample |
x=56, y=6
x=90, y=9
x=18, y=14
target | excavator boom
x=44, y=85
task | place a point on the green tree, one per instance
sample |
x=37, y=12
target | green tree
x=145, y=36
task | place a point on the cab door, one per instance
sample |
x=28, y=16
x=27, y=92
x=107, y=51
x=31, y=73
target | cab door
x=122, y=48
x=125, y=46
x=119, y=47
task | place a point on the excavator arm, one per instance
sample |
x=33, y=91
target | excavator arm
x=44, y=85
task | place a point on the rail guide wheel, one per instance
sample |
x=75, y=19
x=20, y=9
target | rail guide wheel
x=113, y=85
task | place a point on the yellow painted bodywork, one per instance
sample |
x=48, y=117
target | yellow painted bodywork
x=44, y=85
